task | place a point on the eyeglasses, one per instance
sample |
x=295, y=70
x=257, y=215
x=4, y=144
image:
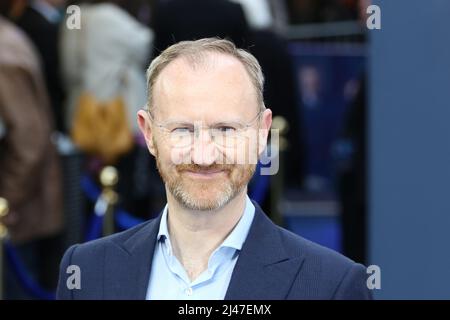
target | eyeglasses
x=224, y=134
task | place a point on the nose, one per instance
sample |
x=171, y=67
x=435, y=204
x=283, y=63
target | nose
x=204, y=151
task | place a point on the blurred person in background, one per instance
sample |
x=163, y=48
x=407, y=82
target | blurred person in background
x=352, y=182
x=30, y=177
x=268, y=44
x=106, y=59
x=314, y=11
x=178, y=20
x=41, y=21
x=263, y=14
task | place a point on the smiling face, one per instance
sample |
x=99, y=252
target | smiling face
x=204, y=175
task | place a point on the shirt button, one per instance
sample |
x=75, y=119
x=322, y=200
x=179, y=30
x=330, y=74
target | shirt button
x=189, y=291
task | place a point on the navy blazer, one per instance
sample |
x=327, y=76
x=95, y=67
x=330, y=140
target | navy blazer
x=273, y=264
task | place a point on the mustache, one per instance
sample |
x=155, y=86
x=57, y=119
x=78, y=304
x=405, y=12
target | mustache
x=198, y=168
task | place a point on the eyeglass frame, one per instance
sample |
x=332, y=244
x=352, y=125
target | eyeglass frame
x=163, y=126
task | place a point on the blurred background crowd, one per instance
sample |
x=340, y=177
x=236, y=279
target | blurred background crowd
x=313, y=55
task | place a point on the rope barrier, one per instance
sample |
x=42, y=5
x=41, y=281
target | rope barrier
x=22, y=275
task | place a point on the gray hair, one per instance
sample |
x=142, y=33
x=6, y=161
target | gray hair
x=194, y=52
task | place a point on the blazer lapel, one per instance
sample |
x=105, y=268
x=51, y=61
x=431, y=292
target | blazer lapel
x=128, y=264
x=263, y=271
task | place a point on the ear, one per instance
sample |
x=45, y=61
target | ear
x=146, y=129
x=266, y=123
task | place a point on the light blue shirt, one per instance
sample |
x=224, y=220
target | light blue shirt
x=168, y=278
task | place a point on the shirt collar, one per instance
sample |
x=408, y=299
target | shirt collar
x=239, y=233
x=163, y=232
x=234, y=240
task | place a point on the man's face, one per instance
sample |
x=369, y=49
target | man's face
x=205, y=173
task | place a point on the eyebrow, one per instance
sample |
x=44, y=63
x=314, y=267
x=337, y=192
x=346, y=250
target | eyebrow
x=227, y=122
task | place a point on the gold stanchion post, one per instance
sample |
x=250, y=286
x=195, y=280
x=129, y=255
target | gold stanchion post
x=4, y=209
x=108, y=179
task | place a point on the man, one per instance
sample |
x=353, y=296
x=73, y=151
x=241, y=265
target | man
x=211, y=241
